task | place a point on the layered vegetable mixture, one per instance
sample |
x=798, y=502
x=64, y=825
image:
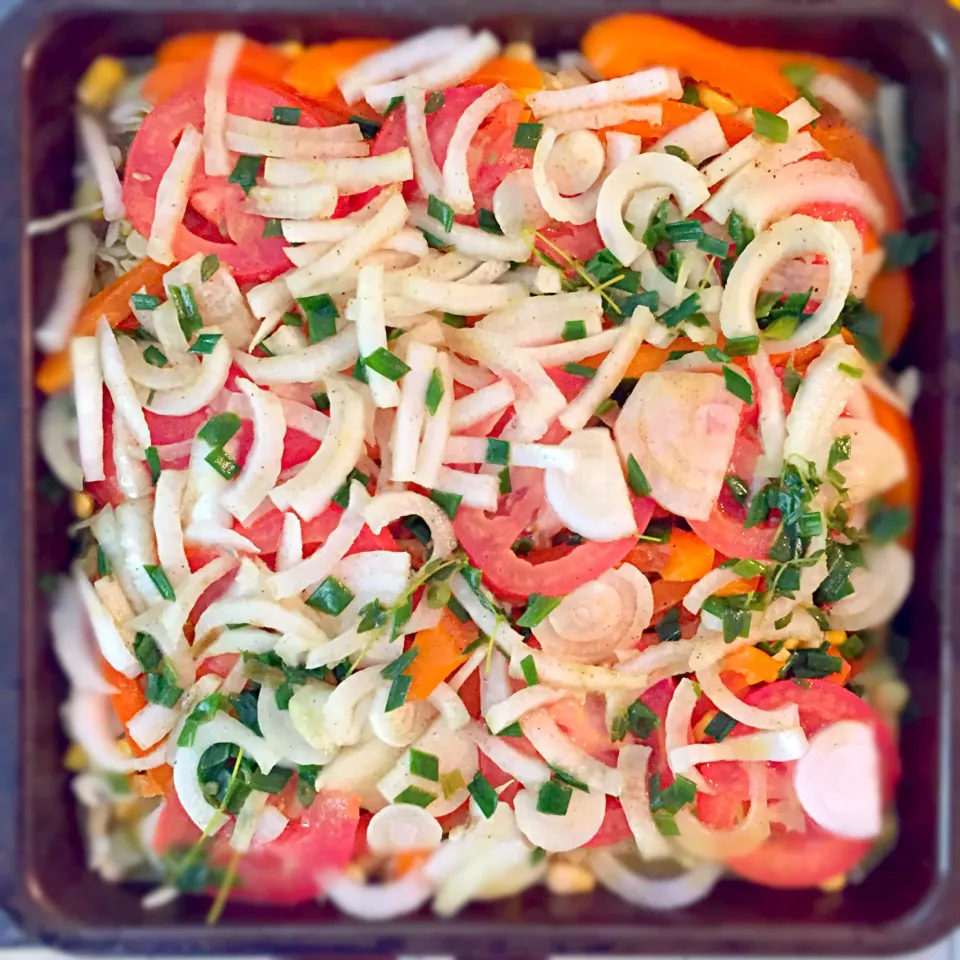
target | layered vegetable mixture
x=485, y=469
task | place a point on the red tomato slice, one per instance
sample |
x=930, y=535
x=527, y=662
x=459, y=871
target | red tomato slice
x=614, y=828
x=488, y=543
x=285, y=870
x=657, y=700
x=250, y=256
x=264, y=533
x=577, y=242
x=586, y=725
x=835, y=212
x=298, y=447
x=793, y=858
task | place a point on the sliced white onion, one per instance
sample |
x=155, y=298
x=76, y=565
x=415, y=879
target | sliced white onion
x=310, y=491
x=480, y=490
x=402, y=827
x=384, y=508
x=88, y=400
x=168, y=525
x=73, y=641
x=411, y=411
x=471, y=242
x=264, y=139
x=468, y=300
x=559, y=751
x=746, y=836
x=113, y=643
x=680, y=427
x=677, y=731
x=456, y=181
x=686, y=184
x=429, y=177
x=172, y=195
x=57, y=434
x=476, y=407
x=214, y=370
x=118, y=383
x=307, y=709
x=282, y=735
x=243, y=639
x=540, y=320
x=517, y=206
x=348, y=706
x=674, y=893
x=556, y=834
x=73, y=288
x=436, y=430
x=825, y=391
x=290, y=547
x=151, y=724
x=633, y=763
x=709, y=584
x=350, y=175
x=576, y=162
x=357, y=769
x=792, y=237
x=532, y=772
x=879, y=589
x=96, y=147
x=838, y=780
x=465, y=59
x=772, y=745
x=400, y=59
x=260, y=613
x=168, y=377
x=655, y=82
x=223, y=60
x=133, y=476
x=593, y=500
x=372, y=333
x=876, y=463
x=377, y=901
x=402, y=726
x=306, y=201
x=90, y=719
x=782, y=718
x=501, y=714
x=315, y=362
x=701, y=138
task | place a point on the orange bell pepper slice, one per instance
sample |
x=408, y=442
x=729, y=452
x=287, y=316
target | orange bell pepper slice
x=752, y=664
x=440, y=652
x=647, y=358
x=690, y=558
x=896, y=423
x=629, y=42
x=167, y=79
x=841, y=142
x=113, y=302
x=737, y=587
x=254, y=57
x=314, y=73
x=667, y=594
x=519, y=75
x=890, y=295
x=840, y=679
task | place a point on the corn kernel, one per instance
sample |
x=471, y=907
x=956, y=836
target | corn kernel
x=82, y=504
x=100, y=83
x=714, y=101
x=835, y=637
x=566, y=879
x=519, y=50
x=834, y=884
x=289, y=48
x=75, y=759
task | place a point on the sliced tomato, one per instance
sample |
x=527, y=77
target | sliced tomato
x=657, y=700
x=264, y=533
x=298, y=447
x=285, y=870
x=795, y=858
x=249, y=255
x=614, y=828
x=834, y=213
x=577, y=242
x=488, y=542
x=585, y=723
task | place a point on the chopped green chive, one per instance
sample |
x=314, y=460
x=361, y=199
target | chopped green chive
x=801, y=75
x=161, y=689
x=321, y=316
x=272, y=228
x=901, y=250
x=331, y=597
x=392, y=105
x=886, y=524
x=321, y=401
x=396, y=667
x=668, y=629
x=738, y=489
x=440, y=211
x=452, y=320
x=434, y=102
x=850, y=371
x=452, y=783
x=538, y=607
x=287, y=116
x=385, y=363
x=483, y=794
x=528, y=135
x=683, y=231
x=504, y=479
x=529, y=669
x=682, y=311
x=569, y=779
x=159, y=577
x=209, y=266
x=691, y=95
x=434, y=391
x=554, y=798
x=636, y=478
x=425, y=765
x=782, y=327
x=580, y=370
x=770, y=126
x=415, y=796
x=742, y=346
x=342, y=497
x=187, y=311
x=513, y=730
x=219, y=429
x=104, y=569
x=449, y=503
x=223, y=463
x=649, y=299
x=677, y=152
x=487, y=221
x=205, y=710
x=399, y=689
x=498, y=451
x=147, y=652
x=641, y=720
x=154, y=357
x=748, y=568
x=574, y=330
x=245, y=172
x=372, y=616
x=205, y=343
x=144, y=301
x=153, y=462
x=738, y=384
x=713, y=246
x=368, y=128
x=741, y=234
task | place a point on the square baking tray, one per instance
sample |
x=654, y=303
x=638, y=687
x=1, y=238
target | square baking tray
x=912, y=898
